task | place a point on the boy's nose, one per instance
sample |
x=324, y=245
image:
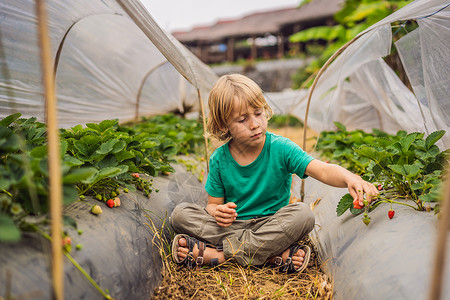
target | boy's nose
x=253, y=123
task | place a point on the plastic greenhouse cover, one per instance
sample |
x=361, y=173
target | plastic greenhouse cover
x=361, y=91
x=108, y=57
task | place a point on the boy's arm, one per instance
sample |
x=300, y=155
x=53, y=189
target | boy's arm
x=225, y=214
x=338, y=176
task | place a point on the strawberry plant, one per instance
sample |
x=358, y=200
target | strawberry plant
x=337, y=146
x=406, y=166
x=24, y=173
x=96, y=160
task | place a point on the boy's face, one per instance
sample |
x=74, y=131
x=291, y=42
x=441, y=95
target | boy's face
x=247, y=125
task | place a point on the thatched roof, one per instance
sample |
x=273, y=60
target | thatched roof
x=261, y=23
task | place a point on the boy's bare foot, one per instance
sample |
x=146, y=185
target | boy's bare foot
x=297, y=258
x=209, y=253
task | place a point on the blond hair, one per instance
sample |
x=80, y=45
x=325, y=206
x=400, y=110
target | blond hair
x=221, y=102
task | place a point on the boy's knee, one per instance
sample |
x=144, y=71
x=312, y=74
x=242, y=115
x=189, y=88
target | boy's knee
x=183, y=216
x=305, y=215
x=302, y=219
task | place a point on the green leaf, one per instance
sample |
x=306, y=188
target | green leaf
x=119, y=146
x=9, y=119
x=81, y=147
x=39, y=152
x=433, y=195
x=9, y=231
x=345, y=203
x=79, y=175
x=340, y=126
x=109, y=172
x=123, y=155
x=93, y=126
x=9, y=141
x=70, y=194
x=367, y=9
x=374, y=153
x=327, y=33
x=433, y=138
x=108, y=161
x=106, y=147
x=409, y=171
x=418, y=186
x=63, y=147
x=106, y=124
x=148, y=144
x=72, y=161
x=407, y=141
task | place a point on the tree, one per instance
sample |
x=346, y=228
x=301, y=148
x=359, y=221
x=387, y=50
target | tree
x=354, y=17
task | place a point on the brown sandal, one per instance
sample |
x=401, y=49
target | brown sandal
x=288, y=266
x=189, y=260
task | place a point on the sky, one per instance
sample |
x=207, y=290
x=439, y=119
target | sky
x=183, y=15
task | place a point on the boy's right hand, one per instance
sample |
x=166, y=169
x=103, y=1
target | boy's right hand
x=225, y=214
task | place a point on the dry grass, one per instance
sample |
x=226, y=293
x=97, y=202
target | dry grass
x=231, y=281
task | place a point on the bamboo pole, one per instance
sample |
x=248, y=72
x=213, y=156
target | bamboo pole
x=311, y=89
x=54, y=164
x=204, y=129
x=439, y=256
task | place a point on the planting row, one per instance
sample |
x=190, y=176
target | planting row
x=407, y=168
x=100, y=160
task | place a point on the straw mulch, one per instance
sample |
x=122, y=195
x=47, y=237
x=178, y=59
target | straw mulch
x=231, y=281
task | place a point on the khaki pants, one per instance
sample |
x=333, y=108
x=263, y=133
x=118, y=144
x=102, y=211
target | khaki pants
x=246, y=241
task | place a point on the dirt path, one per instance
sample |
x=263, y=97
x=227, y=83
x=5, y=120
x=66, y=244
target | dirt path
x=295, y=134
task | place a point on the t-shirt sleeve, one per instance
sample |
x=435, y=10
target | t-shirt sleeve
x=296, y=159
x=214, y=185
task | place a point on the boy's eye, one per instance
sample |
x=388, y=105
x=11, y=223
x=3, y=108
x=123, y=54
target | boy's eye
x=241, y=120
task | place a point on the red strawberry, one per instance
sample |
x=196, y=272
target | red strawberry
x=135, y=175
x=67, y=241
x=110, y=203
x=391, y=213
x=356, y=204
x=379, y=187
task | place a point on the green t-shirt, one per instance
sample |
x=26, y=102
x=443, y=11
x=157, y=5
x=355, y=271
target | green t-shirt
x=262, y=187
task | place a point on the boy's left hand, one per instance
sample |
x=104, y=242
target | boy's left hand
x=358, y=186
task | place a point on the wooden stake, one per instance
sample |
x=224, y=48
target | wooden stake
x=54, y=164
x=311, y=89
x=439, y=254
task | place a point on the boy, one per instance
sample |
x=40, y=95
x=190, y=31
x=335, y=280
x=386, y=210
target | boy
x=248, y=217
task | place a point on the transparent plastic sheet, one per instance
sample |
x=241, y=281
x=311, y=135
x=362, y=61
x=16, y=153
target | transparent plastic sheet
x=359, y=90
x=105, y=62
x=282, y=103
x=425, y=55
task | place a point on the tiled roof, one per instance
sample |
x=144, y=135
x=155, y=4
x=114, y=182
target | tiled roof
x=261, y=23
